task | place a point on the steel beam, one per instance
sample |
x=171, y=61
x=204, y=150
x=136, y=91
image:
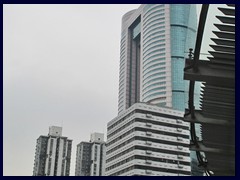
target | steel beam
x=223, y=42
x=228, y=20
x=224, y=35
x=200, y=118
x=202, y=148
x=227, y=11
x=210, y=75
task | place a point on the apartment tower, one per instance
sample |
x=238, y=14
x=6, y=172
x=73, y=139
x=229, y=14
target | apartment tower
x=91, y=156
x=53, y=154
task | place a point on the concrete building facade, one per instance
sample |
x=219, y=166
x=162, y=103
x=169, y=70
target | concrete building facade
x=53, y=154
x=91, y=156
x=147, y=140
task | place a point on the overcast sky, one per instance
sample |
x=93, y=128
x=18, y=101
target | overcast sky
x=61, y=65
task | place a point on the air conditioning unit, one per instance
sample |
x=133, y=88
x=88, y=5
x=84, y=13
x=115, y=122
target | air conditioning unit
x=179, y=129
x=148, y=115
x=180, y=165
x=148, y=152
x=180, y=147
x=148, y=162
x=180, y=157
x=148, y=133
x=148, y=172
x=179, y=121
x=149, y=143
x=149, y=124
x=179, y=138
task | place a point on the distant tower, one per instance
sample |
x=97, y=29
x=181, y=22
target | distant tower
x=90, y=158
x=53, y=154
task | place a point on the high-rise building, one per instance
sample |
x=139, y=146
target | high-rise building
x=53, y=154
x=155, y=41
x=90, y=158
x=147, y=140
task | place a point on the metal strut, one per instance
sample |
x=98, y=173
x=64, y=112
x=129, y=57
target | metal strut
x=194, y=66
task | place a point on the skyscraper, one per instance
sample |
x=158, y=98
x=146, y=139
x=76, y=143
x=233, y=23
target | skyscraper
x=53, y=154
x=155, y=40
x=90, y=158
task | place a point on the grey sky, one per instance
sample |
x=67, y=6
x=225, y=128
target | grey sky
x=60, y=68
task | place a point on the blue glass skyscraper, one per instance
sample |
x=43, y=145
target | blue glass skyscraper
x=155, y=41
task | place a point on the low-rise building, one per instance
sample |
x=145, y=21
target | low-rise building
x=147, y=140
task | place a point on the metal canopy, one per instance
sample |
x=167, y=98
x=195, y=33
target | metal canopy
x=221, y=61
x=217, y=102
x=223, y=42
x=226, y=28
x=227, y=20
x=228, y=11
x=224, y=35
x=222, y=55
x=223, y=48
x=206, y=73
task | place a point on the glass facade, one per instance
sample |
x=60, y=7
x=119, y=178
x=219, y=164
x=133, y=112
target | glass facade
x=183, y=32
x=183, y=37
x=155, y=42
